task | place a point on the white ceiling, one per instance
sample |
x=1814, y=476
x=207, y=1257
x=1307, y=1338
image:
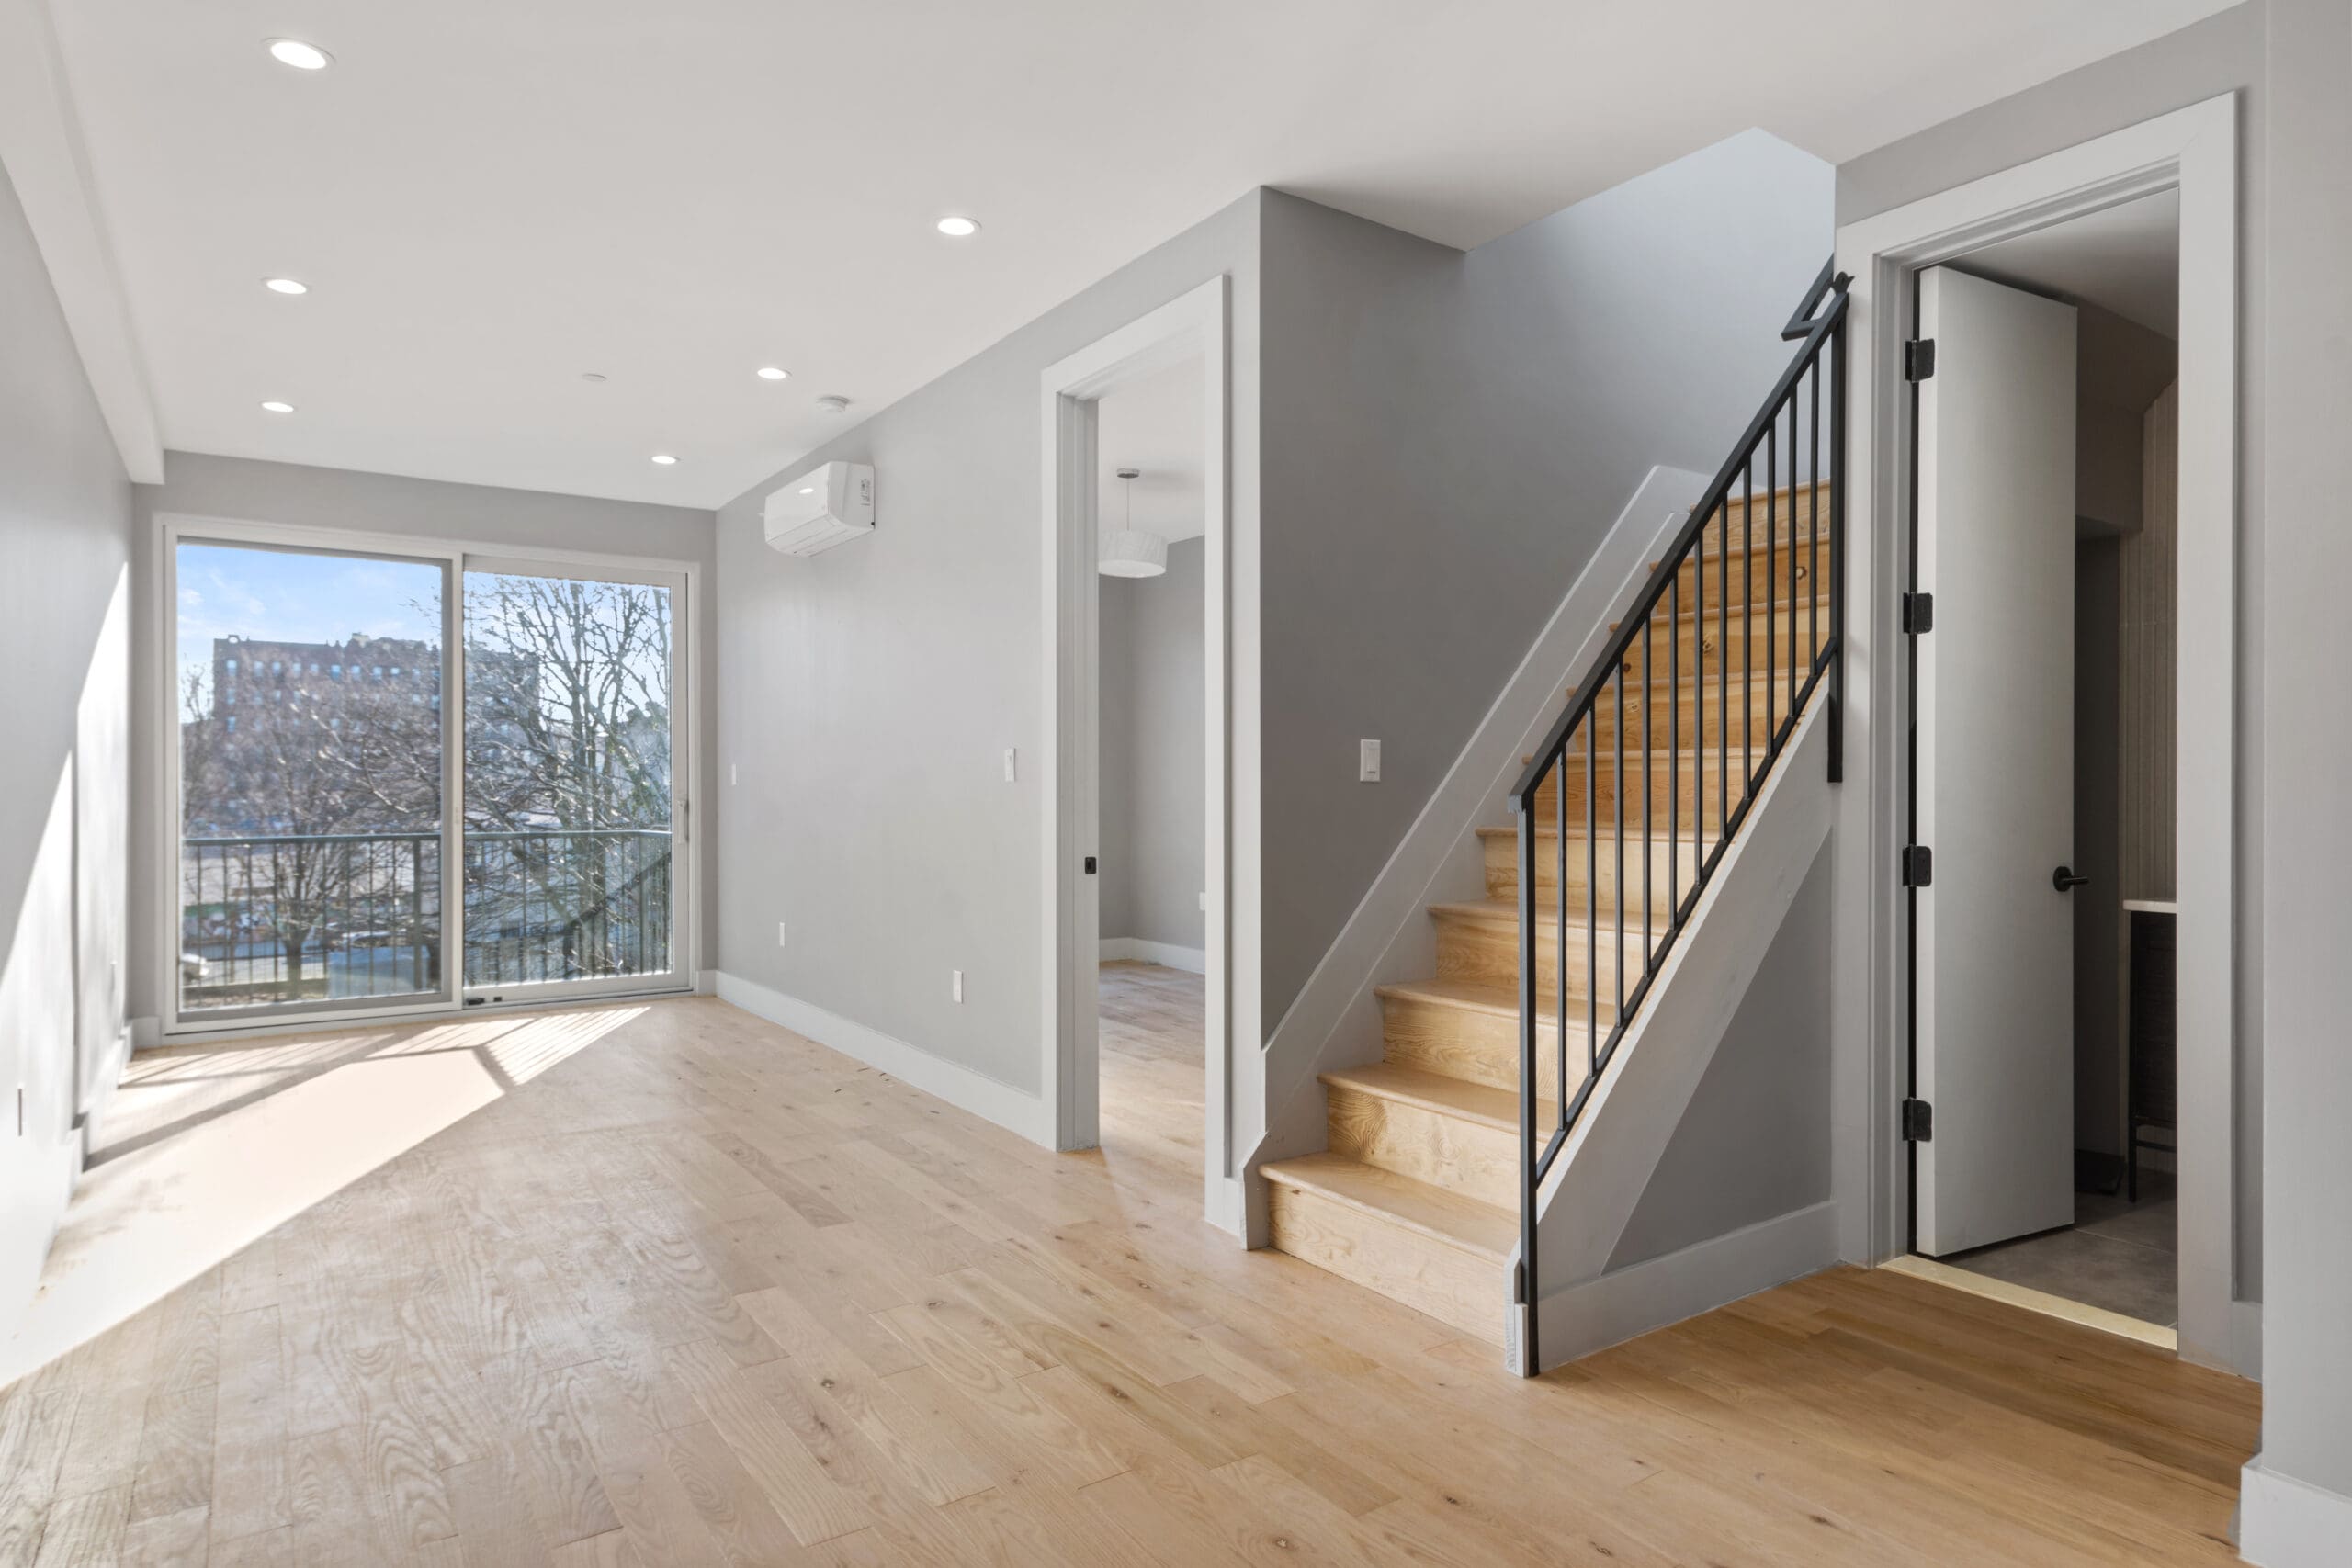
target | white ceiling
x=1157, y=424
x=2125, y=259
x=490, y=198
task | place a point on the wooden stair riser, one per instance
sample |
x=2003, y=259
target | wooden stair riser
x=1502, y=867
x=1453, y=1286
x=1474, y=1044
x=1689, y=714
x=1474, y=1158
x=1487, y=952
x=1697, y=785
x=1762, y=574
x=1756, y=643
x=1769, y=517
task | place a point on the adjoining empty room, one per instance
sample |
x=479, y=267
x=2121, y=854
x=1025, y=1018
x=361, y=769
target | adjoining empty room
x=1153, y=814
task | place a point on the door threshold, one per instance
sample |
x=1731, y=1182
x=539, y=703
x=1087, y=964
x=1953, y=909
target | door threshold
x=2034, y=1301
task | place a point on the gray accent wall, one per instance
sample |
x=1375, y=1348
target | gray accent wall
x=1754, y=1143
x=1447, y=438
x=65, y=610
x=2226, y=52
x=1155, y=780
x=866, y=696
x=340, y=500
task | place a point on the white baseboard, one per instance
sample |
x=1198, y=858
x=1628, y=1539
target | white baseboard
x=1707, y=1274
x=146, y=1033
x=1142, y=949
x=2287, y=1523
x=1016, y=1110
x=706, y=982
x=1335, y=1021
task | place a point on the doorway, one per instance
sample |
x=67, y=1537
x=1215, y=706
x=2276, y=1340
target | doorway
x=2040, y=682
x=1190, y=328
x=2192, y=151
x=1152, y=898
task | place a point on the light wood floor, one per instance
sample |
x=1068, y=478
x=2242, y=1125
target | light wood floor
x=701, y=1292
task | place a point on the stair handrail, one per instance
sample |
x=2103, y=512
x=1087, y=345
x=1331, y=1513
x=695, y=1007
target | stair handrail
x=1818, y=324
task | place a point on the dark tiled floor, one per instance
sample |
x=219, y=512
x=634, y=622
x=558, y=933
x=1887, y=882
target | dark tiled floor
x=2116, y=1255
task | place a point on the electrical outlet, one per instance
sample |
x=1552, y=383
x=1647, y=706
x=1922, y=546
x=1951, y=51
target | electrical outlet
x=779, y=933
x=1368, y=762
x=956, y=984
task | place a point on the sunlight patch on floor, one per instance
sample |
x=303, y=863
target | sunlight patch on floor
x=329, y=1111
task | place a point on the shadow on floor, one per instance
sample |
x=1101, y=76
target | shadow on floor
x=2118, y=1255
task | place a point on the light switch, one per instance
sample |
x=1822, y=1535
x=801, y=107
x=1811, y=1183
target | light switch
x=1368, y=762
x=1012, y=764
x=956, y=984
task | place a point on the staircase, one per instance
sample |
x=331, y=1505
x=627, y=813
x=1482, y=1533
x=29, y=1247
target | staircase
x=1433, y=1165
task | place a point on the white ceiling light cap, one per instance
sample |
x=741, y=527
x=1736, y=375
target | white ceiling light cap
x=274, y=406
x=959, y=228
x=664, y=459
x=285, y=286
x=770, y=373
x=301, y=56
x=1134, y=553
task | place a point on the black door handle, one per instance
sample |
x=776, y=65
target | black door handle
x=2065, y=880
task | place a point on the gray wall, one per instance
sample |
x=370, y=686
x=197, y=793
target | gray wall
x=1447, y=436
x=2223, y=53
x=1155, y=782
x=866, y=696
x=66, y=607
x=1754, y=1142
x=250, y=490
x=2305, y=755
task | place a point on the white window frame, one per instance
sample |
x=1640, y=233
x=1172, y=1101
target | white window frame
x=455, y=556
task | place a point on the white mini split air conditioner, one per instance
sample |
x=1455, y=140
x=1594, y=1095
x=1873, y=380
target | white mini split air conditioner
x=829, y=505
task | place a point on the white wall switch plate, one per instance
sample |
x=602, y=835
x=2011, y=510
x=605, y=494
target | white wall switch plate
x=956, y=984
x=1012, y=764
x=731, y=777
x=1368, y=762
x=1204, y=901
x=779, y=933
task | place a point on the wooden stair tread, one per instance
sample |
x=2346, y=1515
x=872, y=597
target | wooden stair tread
x=1478, y=1228
x=1469, y=995
x=1802, y=543
x=1438, y=1092
x=1740, y=607
x=1576, y=831
x=1505, y=912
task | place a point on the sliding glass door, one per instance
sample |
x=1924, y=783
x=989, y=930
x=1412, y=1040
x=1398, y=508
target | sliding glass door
x=348, y=845
x=569, y=818
x=311, y=780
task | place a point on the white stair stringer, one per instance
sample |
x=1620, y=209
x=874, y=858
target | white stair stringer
x=1603, y=1170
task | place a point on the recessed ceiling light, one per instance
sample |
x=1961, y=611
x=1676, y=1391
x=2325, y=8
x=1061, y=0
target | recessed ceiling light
x=274, y=406
x=301, y=56
x=959, y=228
x=285, y=286
x=664, y=459
x=807, y=490
x=770, y=373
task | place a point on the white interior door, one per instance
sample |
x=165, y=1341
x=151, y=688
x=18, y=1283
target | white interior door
x=1994, y=940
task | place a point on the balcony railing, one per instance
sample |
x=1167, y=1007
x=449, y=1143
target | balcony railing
x=284, y=918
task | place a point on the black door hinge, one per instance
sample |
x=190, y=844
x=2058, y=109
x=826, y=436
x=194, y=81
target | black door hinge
x=1919, y=614
x=1918, y=1121
x=1918, y=359
x=1090, y=866
x=1918, y=866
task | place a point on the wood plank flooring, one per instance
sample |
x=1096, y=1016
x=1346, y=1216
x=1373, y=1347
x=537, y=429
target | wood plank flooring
x=702, y=1293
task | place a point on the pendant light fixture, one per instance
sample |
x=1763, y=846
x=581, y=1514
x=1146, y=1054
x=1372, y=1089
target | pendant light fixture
x=1132, y=551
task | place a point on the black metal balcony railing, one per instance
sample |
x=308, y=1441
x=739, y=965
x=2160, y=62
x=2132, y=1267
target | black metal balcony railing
x=282, y=918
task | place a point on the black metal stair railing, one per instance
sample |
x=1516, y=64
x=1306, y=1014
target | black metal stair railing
x=1789, y=427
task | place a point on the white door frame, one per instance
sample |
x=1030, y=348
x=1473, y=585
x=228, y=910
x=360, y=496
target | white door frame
x=2195, y=151
x=1194, y=322
x=453, y=556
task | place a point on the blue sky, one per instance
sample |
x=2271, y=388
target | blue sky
x=285, y=595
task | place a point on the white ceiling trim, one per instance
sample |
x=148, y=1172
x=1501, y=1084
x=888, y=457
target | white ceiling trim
x=41, y=146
